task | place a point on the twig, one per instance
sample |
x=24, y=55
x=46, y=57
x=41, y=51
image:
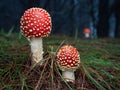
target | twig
x=38, y=83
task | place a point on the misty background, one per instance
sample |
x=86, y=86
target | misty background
x=69, y=17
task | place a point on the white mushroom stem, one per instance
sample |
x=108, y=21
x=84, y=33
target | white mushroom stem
x=68, y=76
x=87, y=35
x=36, y=50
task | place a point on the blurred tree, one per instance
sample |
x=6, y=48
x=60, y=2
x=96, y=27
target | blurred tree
x=112, y=20
x=10, y=13
x=103, y=19
x=116, y=9
x=33, y=3
x=68, y=17
x=94, y=12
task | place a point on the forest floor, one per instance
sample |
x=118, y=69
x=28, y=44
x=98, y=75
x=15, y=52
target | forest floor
x=99, y=68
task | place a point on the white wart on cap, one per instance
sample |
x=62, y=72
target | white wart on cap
x=36, y=22
x=68, y=58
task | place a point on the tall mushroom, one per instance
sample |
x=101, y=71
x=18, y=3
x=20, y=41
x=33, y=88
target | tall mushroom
x=36, y=24
x=68, y=60
x=87, y=32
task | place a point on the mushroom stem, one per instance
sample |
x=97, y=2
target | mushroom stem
x=87, y=35
x=36, y=50
x=68, y=76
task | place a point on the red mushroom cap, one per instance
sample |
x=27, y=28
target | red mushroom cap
x=68, y=58
x=87, y=30
x=36, y=22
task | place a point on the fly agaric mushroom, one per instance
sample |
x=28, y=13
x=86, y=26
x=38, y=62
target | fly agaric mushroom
x=68, y=60
x=36, y=24
x=87, y=32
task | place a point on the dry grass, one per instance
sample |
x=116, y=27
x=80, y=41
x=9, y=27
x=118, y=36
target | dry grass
x=99, y=68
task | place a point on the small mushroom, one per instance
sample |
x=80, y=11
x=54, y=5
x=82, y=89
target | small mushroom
x=36, y=24
x=68, y=60
x=87, y=32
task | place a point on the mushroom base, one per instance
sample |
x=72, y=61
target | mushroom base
x=36, y=50
x=68, y=76
x=87, y=35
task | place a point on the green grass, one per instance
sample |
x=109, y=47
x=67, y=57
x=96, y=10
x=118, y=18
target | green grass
x=100, y=60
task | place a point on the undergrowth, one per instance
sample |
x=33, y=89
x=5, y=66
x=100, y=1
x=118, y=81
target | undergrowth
x=99, y=68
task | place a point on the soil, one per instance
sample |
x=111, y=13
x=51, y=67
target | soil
x=48, y=75
x=40, y=77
